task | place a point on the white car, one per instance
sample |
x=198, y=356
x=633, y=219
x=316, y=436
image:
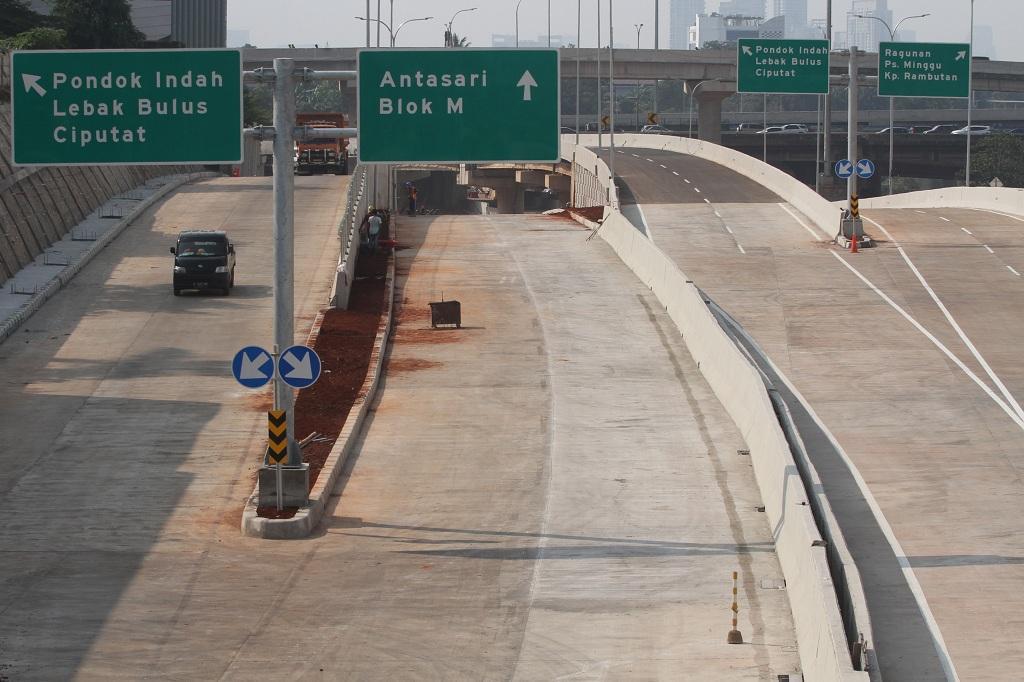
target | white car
x=655, y=130
x=792, y=128
x=974, y=130
x=771, y=130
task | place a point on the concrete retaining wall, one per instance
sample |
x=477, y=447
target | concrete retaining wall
x=822, y=213
x=1004, y=199
x=348, y=233
x=38, y=205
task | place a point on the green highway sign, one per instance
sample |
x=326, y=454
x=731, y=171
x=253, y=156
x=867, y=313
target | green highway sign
x=924, y=69
x=798, y=67
x=96, y=107
x=466, y=105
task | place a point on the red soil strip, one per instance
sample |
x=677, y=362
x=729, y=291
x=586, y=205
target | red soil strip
x=344, y=344
x=592, y=213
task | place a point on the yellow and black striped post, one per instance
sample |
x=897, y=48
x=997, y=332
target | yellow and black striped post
x=735, y=636
x=277, y=432
x=854, y=206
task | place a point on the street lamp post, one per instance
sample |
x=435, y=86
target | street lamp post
x=892, y=36
x=517, y=22
x=970, y=100
x=611, y=89
x=636, y=104
x=394, y=33
x=449, y=35
x=600, y=106
x=579, y=39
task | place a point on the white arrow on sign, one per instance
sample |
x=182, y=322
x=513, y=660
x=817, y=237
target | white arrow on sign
x=526, y=82
x=962, y=54
x=251, y=367
x=301, y=369
x=32, y=83
x=845, y=167
x=747, y=50
x=864, y=167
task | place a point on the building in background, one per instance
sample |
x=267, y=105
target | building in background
x=681, y=16
x=774, y=28
x=188, y=23
x=743, y=8
x=865, y=34
x=714, y=29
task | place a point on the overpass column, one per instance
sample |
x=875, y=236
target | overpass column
x=709, y=95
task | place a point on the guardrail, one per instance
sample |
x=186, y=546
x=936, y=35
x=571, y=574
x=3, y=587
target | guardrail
x=1005, y=199
x=592, y=184
x=831, y=640
x=356, y=205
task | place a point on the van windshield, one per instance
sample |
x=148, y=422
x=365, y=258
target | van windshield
x=194, y=247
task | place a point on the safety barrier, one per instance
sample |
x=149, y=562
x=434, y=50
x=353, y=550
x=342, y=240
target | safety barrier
x=823, y=644
x=1004, y=199
x=356, y=205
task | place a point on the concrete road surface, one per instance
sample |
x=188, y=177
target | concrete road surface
x=550, y=491
x=908, y=356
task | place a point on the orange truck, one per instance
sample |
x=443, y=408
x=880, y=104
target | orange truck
x=320, y=157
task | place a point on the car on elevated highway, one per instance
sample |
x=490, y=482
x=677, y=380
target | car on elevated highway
x=656, y=130
x=973, y=130
x=943, y=129
x=896, y=130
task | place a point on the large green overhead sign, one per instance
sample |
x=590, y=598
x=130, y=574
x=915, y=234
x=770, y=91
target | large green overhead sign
x=924, y=69
x=782, y=66
x=91, y=107
x=462, y=105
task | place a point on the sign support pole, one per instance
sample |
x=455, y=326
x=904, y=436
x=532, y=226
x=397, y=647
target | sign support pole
x=284, y=238
x=851, y=134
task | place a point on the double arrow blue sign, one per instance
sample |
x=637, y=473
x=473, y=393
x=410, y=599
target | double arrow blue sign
x=298, y=366
x=864, y=169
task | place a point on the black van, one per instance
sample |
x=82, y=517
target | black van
x=204, y=259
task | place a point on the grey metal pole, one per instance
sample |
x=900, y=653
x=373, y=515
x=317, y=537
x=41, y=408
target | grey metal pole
x=517, y=22
x=367, y=23
x=636, y=104
x=284, y=238
x=817, y=148
x=600, y=103
x=851, y=130
x=970, y=100
x=611, y=88
x=579, y=38
x=890, y=143
x=657, y=30
x=549, y=23
x=826, y=151
x=378, y=23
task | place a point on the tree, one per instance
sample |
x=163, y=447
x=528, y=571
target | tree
x=98, y=24
x=17, y=17
x=998, y=156
x=257, y=106
x=37, y=39
x=455, y=40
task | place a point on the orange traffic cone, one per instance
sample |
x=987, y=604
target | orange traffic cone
x=853, y=244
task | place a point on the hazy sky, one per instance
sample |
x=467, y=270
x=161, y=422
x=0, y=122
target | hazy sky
x=274, y=23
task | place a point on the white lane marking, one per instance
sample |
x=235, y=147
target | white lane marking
x=636, y=156
x=944, y=218
x=620, y=151
x=663, y=166
x=740, y=247
x=967, y=231
x=1005, y=215
x=707, y=201
x=675, y=172
x=876, y=510
x=651, y=160
x=729, y=230
x=938, y=344
x=802, y=223
x=956, y=327
x=686, y=181
x=918, y=211
x=1010, y=268
x=717, y=214
x=697, y=190
x=987, y=248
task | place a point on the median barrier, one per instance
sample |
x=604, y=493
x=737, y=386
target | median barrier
x=1004, y=199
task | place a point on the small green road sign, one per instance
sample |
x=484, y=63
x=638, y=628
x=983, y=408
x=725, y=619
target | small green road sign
x=796, y=67
x=96, y=107
x=924, y=69
x=468, y=105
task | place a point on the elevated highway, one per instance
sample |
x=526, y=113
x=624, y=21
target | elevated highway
x=899, y=364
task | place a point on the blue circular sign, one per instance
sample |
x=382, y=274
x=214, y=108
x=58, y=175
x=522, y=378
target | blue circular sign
x=865, y=169
x=253, y=367
x=299, y=366
x=844, y=168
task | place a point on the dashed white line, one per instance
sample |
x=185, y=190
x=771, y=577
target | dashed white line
x=651, y=160
x=686, y=180
x=940, y=217
x=675, y=172
x=1011, y=403
x=918, y=211
x=717, y=214
x=663, y=166
x=740, y=247
x=802, y=223
x=697, y=190
x=1010, y=268
x=987, y=248
x=636, y=156
x=967, y=231
x=707, y=201
x=729, y=230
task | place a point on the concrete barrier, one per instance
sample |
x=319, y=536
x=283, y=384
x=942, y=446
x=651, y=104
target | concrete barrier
x=1003, y=199
x=356, y=205
x=822, y=213
x=307, y=518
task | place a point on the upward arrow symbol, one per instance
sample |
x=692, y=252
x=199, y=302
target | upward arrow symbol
x=526, y=83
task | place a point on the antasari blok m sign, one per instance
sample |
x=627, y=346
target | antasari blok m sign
x=466, y=105
x=93, y=107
